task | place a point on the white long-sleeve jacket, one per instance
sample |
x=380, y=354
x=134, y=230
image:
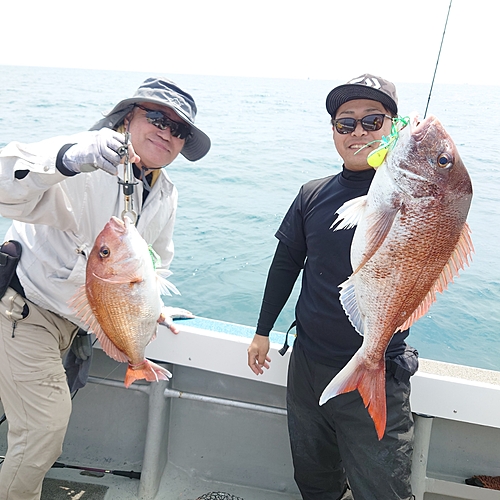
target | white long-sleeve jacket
x=57, y=218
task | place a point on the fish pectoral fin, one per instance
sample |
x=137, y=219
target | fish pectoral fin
x=370, y=384
x=460, y=258
x=350, y=213
x=166, y=286
x=350, y=305
x=379, y=225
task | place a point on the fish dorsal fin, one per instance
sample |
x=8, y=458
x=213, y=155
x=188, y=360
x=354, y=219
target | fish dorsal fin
x=165, y=286
x=350, y=305
x=461, y=257
x=350, y=213
x=80, y=305
x=379, y=225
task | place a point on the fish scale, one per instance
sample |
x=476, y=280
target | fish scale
x=130, y=336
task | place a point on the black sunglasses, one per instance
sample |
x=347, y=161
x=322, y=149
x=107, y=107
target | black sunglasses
x=370, y=123
x=162, y=121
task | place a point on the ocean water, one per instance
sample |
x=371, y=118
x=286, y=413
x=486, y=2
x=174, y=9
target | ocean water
x=269, y=136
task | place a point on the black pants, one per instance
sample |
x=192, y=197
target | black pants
x=336, y=441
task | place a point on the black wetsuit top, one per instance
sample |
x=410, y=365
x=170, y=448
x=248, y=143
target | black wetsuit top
x=308, y=243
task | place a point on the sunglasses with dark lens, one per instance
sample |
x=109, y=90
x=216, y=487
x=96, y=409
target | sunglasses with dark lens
x=370, y=123
x=162, y=121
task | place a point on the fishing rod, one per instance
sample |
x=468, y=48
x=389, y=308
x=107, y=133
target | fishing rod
x=124, y=473
x=437, y=62
x=131, y=474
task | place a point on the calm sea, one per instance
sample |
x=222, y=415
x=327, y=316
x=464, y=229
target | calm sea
x=270, y=136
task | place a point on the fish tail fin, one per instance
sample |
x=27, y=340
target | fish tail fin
x=370, y=384
x=146, y=370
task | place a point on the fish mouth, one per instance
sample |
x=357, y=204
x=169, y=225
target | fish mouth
x=420, y=129
x=118, y=224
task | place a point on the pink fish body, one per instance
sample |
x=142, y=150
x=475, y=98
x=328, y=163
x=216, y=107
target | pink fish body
x=410, y=241
x=121, y=299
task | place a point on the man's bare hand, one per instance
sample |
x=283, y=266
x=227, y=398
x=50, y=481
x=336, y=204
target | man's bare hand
x=257, y=354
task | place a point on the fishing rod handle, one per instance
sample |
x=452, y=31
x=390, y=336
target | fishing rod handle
x=124, y=473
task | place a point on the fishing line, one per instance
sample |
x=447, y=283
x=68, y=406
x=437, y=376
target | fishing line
x=437, y=62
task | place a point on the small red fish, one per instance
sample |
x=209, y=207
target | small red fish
x=121, y=299
x=410, y=241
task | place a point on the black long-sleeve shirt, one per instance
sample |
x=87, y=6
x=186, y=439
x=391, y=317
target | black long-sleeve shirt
x=307, y=241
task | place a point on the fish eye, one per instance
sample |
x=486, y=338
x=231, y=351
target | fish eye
x=104, y=252
x=444, y=160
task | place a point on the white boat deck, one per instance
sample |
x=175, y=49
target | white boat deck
x=217, y=427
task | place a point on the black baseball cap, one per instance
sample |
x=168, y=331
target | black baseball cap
x=363, y=87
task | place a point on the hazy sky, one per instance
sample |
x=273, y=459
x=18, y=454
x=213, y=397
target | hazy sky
x=319, y=39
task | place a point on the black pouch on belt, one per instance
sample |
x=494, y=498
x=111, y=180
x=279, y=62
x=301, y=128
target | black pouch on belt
x=10, y=253
x=405, y=365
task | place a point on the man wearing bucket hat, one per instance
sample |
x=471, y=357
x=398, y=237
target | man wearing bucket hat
x=60, y=193
x=335, y=449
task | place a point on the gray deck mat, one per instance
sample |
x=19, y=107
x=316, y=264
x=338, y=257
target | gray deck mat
x=58, y=489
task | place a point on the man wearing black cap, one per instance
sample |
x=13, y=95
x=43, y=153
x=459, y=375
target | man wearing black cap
x=335, y=445
x=60, y=194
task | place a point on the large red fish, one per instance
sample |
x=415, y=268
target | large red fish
x=410, y=241
x=121, y=299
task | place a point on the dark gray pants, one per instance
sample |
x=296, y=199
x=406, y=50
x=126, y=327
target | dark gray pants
x=336, y=441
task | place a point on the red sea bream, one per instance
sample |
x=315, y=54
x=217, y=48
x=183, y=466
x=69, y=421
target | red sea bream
x=410, y=241
x=121, y=299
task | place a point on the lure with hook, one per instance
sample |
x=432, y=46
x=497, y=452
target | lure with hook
x=377, y=156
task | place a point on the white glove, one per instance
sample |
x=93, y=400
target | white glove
x=168, y=314
x=97, y=149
